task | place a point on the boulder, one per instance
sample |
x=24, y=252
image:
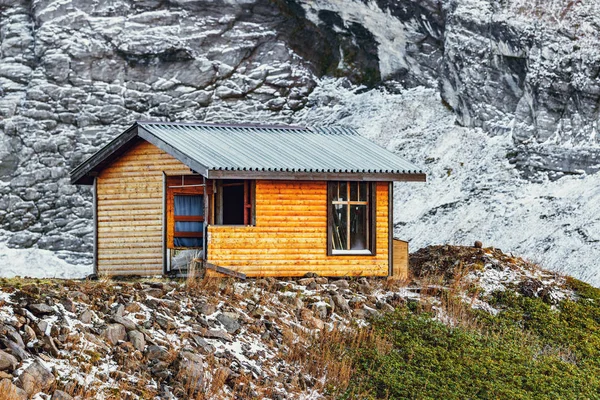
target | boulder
x=9, y=391
x=341, y=304
x=8, y=362
x=40, y=309
x=137, y=340
x=191, y=370
x=229, y=321
x=36, y=378
x=60, y=395
x=126, y=322
x=86, y=316
x=158, y=353
x=114, y=333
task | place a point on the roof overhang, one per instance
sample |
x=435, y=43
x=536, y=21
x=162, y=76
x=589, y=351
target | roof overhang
x=316, y=176
x=84, y=174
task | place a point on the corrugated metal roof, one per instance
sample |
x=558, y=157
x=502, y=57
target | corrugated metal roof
x=278, y=148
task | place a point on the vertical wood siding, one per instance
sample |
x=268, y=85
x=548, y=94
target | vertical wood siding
x=129, y=201
x=290, y=236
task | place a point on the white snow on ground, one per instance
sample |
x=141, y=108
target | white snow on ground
x=472, y=192
x=36, y=263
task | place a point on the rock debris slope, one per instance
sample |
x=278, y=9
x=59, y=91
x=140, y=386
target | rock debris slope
x=218, y=339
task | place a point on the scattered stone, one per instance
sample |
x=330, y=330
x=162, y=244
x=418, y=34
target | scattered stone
x=208, y=309
x=68, y=305
x=36, y=378
x=153, y=292
x=341, y=303
x=137, y=340
x=86, y=317
x=191, y=370
x=165, y=323
x=133, y=308
x=114, y=333
x=40, y=309
x=60, y=395
x=155, y=352
x=203, y=345
x=126, y=322
x=306, y=281
x=478, y=244
x=321, y=309
x=530, y=287
x=321, y=280
x=16, y=349
x=8, y=362
x=79, y=296
x=229, y=321
x=341, y=283
x=9, y=391
x=216, y=334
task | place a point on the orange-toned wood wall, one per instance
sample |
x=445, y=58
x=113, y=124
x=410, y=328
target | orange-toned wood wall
x=130, y=211
x=290, y=236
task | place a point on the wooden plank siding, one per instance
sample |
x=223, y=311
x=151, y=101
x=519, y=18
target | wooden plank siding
x=290, y=235
x=130, y=211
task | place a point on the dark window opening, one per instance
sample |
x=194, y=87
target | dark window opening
x=234, y=202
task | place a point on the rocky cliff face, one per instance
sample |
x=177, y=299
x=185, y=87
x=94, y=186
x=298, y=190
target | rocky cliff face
x=75, y=73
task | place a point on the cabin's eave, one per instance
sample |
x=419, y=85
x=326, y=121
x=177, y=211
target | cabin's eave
x=85, y=172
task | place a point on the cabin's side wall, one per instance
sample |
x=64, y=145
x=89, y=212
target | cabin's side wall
x=290, y=236
x=130, y=211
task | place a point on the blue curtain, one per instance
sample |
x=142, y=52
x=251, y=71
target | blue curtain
x=188, y=205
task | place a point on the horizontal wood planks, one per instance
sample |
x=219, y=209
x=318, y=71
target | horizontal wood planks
x=290, y=235
x=130, y=215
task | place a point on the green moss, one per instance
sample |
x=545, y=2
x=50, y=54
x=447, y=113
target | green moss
x=530, y=349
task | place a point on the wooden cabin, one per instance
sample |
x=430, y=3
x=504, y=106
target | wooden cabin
x=259, y=200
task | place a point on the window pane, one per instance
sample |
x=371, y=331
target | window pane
x=353, y=191
x=340, y=226
x=343, y=192
x=188, y=205
x=363, y=191
x=184, y=226
x=358, y=227
x=187, y=242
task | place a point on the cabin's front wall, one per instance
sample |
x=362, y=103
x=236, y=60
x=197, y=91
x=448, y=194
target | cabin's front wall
x=290, y=235
x=130, y=211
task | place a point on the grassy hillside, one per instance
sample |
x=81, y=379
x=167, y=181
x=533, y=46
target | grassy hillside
x=530, y=346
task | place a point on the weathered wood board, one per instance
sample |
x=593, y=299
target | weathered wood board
x=400, y=260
